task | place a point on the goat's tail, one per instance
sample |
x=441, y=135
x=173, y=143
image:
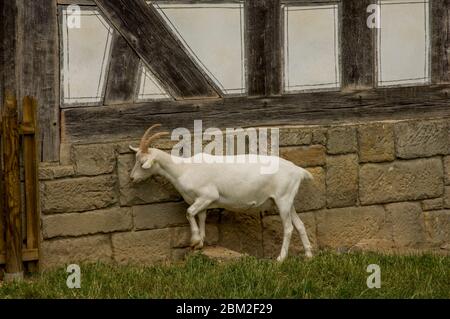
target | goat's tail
x=305, y=175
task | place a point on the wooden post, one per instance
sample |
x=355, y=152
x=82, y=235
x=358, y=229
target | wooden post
x=263, y=46
x=358, y=49
x=440, y=41
x=30, y=161
x=10, y=137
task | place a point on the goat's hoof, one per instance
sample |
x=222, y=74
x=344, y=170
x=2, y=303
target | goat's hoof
x=281, y=258
x=196, y=241
x=198, y=246
x=308, y=255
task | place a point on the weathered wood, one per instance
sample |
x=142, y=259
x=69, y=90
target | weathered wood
x=263, y=46
x=103, y=123
x=40, y=70
x=30, y=161
x=10, y=136
x=2, y=199
x=77, y=2
x=27, y=255
x=123, y=72
x=8, y=38
x=357, y=49
x=440, y=41
x=141, y=25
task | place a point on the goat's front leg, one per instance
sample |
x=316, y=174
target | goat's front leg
x=199, y=205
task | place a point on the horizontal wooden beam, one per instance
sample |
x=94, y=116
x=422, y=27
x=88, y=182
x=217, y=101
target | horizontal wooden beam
x=158, y=47
x=27, y=255
x=77, y=2
x=128, y=121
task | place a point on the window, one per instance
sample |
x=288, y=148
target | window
x=149, y=88
x=403, y=43
x=86, y=52
x=214, y=35
x=311, y=47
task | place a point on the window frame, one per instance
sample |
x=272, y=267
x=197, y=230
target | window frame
x=60, y=20
x=377, y=64
x=338, y=44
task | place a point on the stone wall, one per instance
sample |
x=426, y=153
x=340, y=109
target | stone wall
x=378, y=186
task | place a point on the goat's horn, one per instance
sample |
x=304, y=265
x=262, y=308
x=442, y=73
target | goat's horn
x=156, y=136
x=144, y=144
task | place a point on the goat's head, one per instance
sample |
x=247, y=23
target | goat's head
x=145, y=157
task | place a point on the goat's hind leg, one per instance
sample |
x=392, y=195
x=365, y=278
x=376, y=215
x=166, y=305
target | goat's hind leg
x=302, y=231
x=286, y=220
x=201, y=225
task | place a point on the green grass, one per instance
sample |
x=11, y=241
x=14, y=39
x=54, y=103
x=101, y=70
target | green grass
x=327, y=275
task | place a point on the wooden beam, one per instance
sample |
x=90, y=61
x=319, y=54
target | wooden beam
x=9, y=49
x=27, y=255
x=77, y=2
x=40, y=69
x=141, y=25
x=123, y=72
x=440, y=41
x=357, y=49
x=31, y=179
x=128, y=121
x=10, y=142
x=263, y=45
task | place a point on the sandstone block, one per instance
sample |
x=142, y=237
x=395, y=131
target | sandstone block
x=433, y=204
x=160, y=215
x=87, y=223
x=78, y=194
x=407, y=224
x=376, y=142
x=295, y=136
x=342, y=140
x=48, y=172
x=422, y=139
x=304, y=156
x=311, y=194
x=143, y=247
x=346, y=227
x=319, y=135
x=400, y=181
x=447, y=170
x=62, y=252
x=437, y=226
x=94, y=159
x=447, y=197
x=342, y=180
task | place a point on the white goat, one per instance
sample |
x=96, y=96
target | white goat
x=238, y=187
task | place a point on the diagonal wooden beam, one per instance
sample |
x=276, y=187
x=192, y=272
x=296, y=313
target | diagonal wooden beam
x=123, y=72
x=143, y=28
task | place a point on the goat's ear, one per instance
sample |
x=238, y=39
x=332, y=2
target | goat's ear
x=147, y=164
x=134, y=149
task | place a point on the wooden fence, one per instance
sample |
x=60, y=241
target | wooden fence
x=19, y=186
